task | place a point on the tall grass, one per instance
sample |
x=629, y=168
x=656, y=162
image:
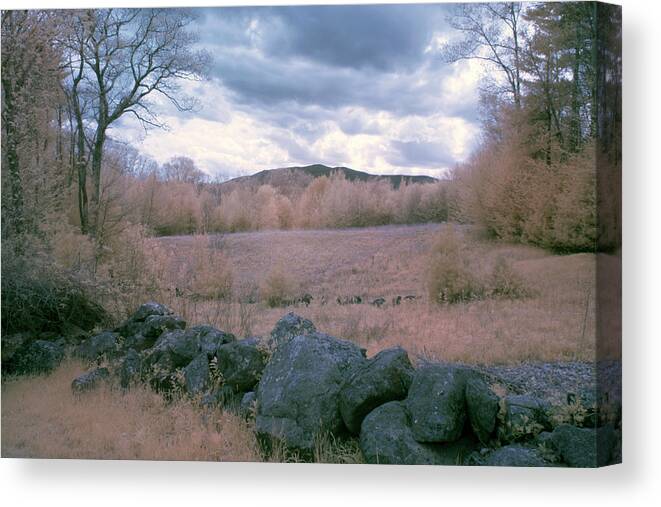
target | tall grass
x=41, y=417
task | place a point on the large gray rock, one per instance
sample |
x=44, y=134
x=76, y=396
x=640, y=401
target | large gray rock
x=515, y=456
x=289, y=326
x=437, y=403
x=525, y=416
x=182, y=346
x=150, y=330
x=383, y=378
x=583, y=447
x=298, y=394
x=148, y=309
x=38, y=356
x=482, y=405
x=130, y=368
x=241, y=364
x=89, y=380
x=101, y=345
x=196, y=374
x=386, y=438
x=131, y=325
x=209, y=339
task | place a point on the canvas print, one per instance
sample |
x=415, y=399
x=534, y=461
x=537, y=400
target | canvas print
x=357, y=234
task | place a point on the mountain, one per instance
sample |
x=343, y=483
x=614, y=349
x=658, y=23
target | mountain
x=289, y=180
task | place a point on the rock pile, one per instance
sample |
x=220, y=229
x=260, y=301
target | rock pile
x=300, y=384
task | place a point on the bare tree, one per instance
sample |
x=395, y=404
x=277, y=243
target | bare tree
x=183, y=170
x=130, y=56
x=491, y=33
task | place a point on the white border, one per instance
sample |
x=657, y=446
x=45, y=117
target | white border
x=637, y=482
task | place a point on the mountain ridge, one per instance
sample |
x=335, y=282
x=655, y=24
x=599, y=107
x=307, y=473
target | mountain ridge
x=285, y=178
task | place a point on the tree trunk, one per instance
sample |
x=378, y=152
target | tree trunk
x=81, y=165
x=97, y=158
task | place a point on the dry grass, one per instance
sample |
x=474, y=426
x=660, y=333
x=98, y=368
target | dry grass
x=42, y=418
x=557, y=321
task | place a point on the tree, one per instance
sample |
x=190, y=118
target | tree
x=492, y=33
x=182, y=170
x=129, y=56
x=30, y=98
x=559, y=61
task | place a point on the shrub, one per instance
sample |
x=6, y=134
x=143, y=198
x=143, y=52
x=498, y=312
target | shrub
x=450, y=278
x=505, y=282
x=209, y=274
x=38, y=297
x=277, y=288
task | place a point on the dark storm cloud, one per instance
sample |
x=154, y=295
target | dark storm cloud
x=356, y=36
x=384, y=37
x=332, y=56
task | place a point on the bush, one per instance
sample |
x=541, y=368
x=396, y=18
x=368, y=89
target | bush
x=506, y=283
x=211, y=275
x=450, y=278
x=37, y=297
x=453, y=279
x=277, y=288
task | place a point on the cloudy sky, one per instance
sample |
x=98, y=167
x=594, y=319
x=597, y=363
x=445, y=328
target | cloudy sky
x=360, y=86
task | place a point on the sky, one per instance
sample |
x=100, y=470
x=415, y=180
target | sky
x=361, y=86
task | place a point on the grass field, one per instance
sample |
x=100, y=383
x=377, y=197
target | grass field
x=557, y=322
x=42, y=418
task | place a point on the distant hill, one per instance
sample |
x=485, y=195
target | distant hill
x=293, y=179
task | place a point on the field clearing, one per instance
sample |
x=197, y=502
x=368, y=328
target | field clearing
x=557, y=323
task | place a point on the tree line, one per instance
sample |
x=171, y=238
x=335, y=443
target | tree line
x=68, y=77
x=543, y=173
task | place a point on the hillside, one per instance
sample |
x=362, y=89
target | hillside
x=291, y=179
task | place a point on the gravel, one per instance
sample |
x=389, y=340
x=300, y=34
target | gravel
x=554, y=381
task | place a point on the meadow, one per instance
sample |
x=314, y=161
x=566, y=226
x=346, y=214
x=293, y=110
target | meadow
x=556, y=321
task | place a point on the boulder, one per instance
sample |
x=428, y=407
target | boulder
x=584, y=447
x=155, y=325
x=437, y=403
x=383, y=378
x=209, y=339
x=97, y=346
x=130, y=368
x=89, y=380
x=138, y=342
x=38, y=356
x=196, y=374
x=386, y=438
x=152, y=327
x=525, y=416
x=179, y=348
x=289, y=326
x=515, y=456
x=298, y=394
x=148, y=309
x=482, y=406
x=241, y=364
